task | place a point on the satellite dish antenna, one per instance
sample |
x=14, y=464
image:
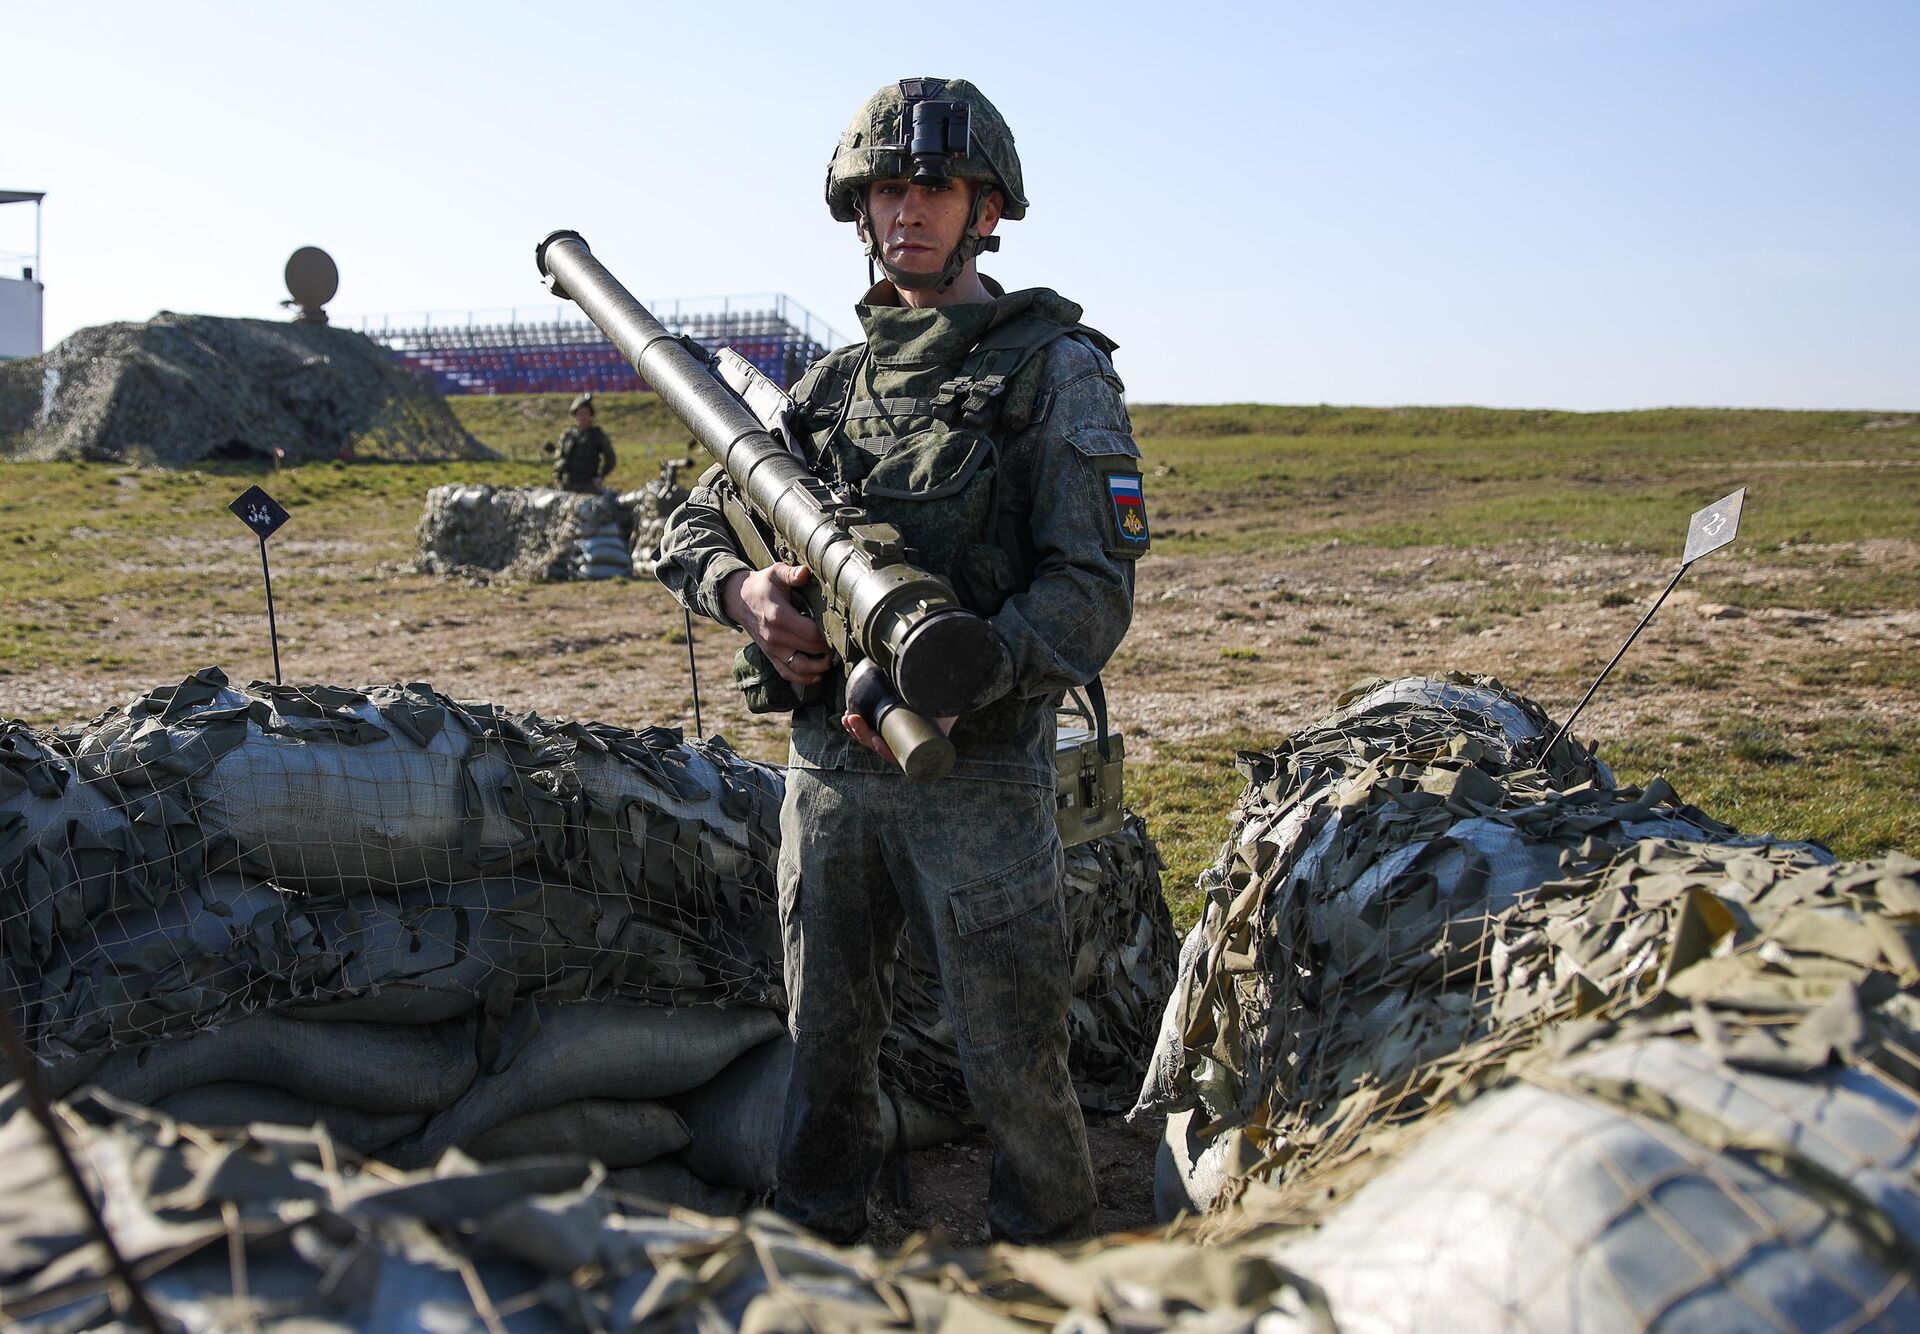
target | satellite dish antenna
x=312, y=279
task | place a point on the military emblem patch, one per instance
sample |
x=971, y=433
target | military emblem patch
x=1129, y=506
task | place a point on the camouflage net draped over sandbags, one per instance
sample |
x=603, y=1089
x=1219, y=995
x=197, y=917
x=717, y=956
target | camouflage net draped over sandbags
x=182, y=388
x=285, y=1229
x=390, y=856
x=1463, y=1031
x=473, y=911
x=523, y=533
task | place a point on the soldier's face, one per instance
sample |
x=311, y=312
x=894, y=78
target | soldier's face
x=919, y=225
x=583, y=417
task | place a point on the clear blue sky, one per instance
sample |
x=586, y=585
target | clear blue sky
x=1580, y=205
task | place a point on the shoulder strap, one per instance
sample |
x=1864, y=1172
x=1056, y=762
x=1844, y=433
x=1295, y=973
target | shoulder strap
x=827, y=381
x=979, y=395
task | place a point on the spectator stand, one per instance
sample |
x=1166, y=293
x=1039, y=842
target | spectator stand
x=516, y=352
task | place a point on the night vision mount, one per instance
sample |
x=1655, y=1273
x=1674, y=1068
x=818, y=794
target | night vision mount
x=937, y=134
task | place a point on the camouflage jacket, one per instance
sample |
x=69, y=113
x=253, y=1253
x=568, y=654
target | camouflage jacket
x=582, y=454
x=1037, y=530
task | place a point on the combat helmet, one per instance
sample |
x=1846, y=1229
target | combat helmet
x=583, y=401
x=927, y=129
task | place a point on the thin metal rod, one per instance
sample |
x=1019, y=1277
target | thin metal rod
x=1616, y=662
x=693, y=675
x=26, y=1069
x=273, y=630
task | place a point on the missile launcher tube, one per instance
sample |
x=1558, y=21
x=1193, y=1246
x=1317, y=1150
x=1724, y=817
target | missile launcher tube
x=941, y=658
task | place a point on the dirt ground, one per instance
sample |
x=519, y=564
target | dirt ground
x=944, y=1189
x=1246, y=645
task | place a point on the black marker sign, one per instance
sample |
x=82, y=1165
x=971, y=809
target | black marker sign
x=260, y=512
x=264, y=515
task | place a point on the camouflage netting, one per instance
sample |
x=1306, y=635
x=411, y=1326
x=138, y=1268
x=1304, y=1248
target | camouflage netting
x=183, y=388
x=1479, y=1039
x=518, y=533
x=432, y=924
x=287, y=1229
x=1466, y=1039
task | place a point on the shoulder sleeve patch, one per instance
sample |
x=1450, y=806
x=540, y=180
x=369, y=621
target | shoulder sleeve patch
x=1122, y=491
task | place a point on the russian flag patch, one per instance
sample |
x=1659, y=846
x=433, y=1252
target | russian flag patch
x=1129, y=506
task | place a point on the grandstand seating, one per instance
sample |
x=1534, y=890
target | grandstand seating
x=563, y=357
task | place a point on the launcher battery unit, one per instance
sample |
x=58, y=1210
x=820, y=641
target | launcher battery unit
x=913, y=653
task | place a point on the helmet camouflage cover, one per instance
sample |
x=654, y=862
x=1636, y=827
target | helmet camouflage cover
x=874, y=148
x=583, y=401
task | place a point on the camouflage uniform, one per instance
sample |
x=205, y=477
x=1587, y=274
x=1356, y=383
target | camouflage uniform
x=1003, y=481
x=582, y=457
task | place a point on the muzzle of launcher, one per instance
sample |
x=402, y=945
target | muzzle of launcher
x=941, y=658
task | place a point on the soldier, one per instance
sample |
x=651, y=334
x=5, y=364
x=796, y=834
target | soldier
x=989, y=427
x=583, y=456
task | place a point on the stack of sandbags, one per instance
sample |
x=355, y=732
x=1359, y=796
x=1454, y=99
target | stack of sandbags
x=282, y=1229
x=1469, y=1029
x=523, y=533
x=510, y=931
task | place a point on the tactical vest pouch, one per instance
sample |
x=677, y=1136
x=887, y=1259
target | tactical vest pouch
x=938, y=485
x=766, y=691
x=928, y=465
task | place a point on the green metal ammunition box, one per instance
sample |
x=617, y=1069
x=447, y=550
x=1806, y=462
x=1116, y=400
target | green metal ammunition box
x=1091, y=794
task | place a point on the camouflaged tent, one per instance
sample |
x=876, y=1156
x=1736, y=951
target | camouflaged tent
x=179, y=389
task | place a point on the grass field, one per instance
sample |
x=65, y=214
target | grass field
x=1296, y=551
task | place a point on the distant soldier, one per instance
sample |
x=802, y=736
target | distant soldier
x=582, y=457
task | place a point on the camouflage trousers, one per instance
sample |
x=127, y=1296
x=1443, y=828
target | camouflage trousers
x=973, y=870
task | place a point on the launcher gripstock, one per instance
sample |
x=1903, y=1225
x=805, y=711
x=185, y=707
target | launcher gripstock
x=937, y=657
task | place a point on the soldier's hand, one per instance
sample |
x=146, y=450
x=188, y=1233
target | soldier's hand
x=857, y=728
x=761, y=603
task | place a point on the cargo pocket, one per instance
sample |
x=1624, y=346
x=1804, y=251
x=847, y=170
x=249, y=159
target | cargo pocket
x=1010, y=977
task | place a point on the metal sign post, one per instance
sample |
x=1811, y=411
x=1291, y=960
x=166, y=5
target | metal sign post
x=264, y=515
x=1708, y=531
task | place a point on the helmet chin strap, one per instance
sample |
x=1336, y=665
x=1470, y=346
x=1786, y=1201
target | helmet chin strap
x=971, y=244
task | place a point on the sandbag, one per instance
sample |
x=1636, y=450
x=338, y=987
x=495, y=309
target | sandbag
x=1594, y=1207
x=145, y=973
x=1190, y=1174
x=426, y=955
x=373, y=1067
x=615, y=1132
x=235, y=1105
x=75, y=847
x=377, y=815
x=669, y=1181
x=597, y=1051
x=734, y=1121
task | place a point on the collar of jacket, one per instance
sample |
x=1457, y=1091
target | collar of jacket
x=899, y=335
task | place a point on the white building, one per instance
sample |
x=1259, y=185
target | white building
x=21, y=290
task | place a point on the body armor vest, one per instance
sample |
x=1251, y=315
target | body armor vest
x=920, y=421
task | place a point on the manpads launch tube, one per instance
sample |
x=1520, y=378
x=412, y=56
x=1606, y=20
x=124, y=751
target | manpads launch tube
x=942, y=659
